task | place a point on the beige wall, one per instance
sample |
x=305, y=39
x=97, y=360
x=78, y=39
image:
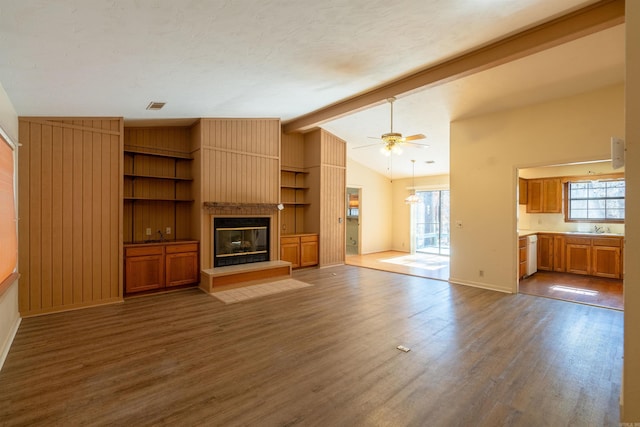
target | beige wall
x=376, y=211
x=401, y=230
x=486, y=153
x=630, y=409
x=9, y=315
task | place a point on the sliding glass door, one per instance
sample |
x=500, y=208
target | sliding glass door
x=431, y=222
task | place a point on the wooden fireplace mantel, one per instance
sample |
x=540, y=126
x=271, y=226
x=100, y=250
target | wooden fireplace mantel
x=241, y=208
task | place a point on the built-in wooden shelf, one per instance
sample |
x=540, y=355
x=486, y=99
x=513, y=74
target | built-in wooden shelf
x=294, y=187
x=293, y=169
x=296, y=203
x=171, y=178
x=165, y=153
x=158, y=199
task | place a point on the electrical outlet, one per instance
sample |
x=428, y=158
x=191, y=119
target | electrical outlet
x=148, y=232
x=167, y=230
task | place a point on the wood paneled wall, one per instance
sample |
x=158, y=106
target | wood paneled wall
x=240, y=163
x=241, y=160
x=325, y=158
x=157, y=215
x=333, y=209
x=70, y=175
x=292, y=151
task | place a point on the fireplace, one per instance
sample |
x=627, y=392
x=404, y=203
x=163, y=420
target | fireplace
x=238, y=240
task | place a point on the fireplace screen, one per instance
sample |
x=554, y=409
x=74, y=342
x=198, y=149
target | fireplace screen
x=240, y=240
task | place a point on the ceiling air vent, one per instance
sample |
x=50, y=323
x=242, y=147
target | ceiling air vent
x=155, y=105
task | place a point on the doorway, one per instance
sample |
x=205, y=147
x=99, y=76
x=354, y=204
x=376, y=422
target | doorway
x=353, y=221
x=431, y=222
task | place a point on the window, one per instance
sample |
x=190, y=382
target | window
x=8, y=234
x=596, y=201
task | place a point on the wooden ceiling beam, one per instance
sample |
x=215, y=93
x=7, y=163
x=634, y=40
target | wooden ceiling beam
x=574, y=25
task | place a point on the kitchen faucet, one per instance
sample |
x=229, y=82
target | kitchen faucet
x=161, y=236
x=598, y=229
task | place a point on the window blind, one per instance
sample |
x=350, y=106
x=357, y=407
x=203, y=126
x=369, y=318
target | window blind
x=8, y=235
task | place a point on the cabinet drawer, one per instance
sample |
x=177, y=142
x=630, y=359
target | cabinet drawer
x=522, y=242
x=578, y=241
x=313, y=238
x=289, y=240
x=143, y=251
x=523, y=254
x=607, y=241
x=184, y=247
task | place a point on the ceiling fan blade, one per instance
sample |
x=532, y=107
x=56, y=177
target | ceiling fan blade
x=373, y=137
x=414, y=137
x=415, y=144
x=365, y=146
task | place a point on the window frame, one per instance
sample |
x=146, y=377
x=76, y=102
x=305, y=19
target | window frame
x=566, y=189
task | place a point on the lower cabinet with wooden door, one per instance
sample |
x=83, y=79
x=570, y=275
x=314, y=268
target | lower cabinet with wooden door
x=581, y=254
x=545, y=252
x=606, y=253
x=301, y=250
x=156, y=266
x=522, y=257
x=578, y=255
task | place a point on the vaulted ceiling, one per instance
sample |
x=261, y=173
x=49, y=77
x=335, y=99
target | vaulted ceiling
x=285, y=59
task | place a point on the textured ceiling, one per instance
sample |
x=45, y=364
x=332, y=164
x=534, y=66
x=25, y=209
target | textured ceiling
x=262, y=58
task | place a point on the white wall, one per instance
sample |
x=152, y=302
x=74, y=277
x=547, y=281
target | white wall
x=486, y=153
x=402, y=212
x=630, y=409
x=9, y=315
x=375, y=210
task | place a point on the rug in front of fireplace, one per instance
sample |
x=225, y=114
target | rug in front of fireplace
x=233, y=296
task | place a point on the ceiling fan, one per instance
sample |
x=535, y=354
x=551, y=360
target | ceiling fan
x=392, y=141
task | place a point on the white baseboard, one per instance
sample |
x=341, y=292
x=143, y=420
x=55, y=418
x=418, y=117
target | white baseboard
x=479, y=285
x=7, y=344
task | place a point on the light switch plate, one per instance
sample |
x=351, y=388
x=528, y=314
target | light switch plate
x=167, y=230
x=148, y=232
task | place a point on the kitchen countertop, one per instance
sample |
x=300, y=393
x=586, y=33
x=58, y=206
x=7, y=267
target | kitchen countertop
x=523, y=233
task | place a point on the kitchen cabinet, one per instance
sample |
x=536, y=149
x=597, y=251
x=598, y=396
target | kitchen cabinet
x=581, y=254
x=578, y=255
x=155, y=266
x=522, y=257
x=544, y=195
x=301, y=250
x=545, y=252
x=558, y=253
x=607, y=257
x=522, y=191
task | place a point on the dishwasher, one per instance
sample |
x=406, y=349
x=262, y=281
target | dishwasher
x=532, y=254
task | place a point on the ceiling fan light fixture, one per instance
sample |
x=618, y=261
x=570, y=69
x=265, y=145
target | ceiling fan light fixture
x=413, y=198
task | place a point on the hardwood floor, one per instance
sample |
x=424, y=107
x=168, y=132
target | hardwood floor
x=598, y=291
x=421, y=265
x=323, y=355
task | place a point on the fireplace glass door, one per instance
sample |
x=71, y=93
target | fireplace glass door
x=241, y=243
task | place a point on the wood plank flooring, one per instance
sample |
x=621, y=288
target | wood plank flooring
x=599, y=291
x=320, y=356
x=419, y=264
